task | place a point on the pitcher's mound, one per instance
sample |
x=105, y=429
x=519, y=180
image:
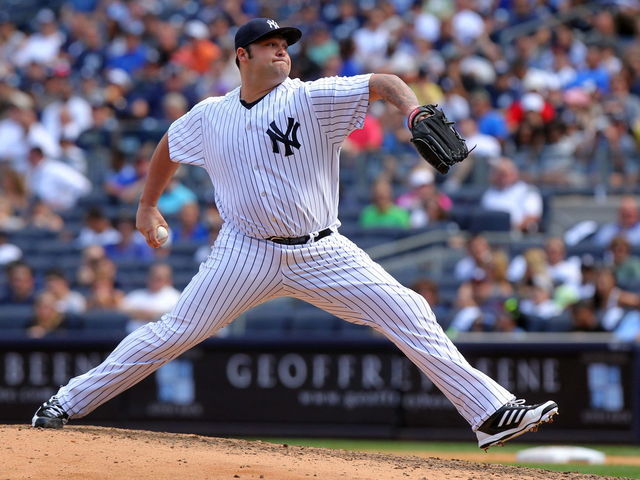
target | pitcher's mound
x=95, y=453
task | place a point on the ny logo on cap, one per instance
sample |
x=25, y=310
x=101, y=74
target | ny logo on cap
x=273, y=24
x=289, y=138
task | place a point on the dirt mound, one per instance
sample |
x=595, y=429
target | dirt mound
x=94, y=453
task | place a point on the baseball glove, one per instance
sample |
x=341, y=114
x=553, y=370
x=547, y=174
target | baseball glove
x=435, y=138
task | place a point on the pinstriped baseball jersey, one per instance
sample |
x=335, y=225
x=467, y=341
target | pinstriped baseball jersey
x=274, y=166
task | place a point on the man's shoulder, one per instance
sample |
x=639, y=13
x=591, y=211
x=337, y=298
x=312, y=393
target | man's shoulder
x=213, y=101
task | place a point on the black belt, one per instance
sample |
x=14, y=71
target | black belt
x=300, y=240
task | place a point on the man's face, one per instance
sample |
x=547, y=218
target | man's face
x=269, y=58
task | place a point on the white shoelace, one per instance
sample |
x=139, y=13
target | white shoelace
x=56, y=407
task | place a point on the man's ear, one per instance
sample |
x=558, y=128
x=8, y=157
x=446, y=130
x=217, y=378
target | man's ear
x=242, y=53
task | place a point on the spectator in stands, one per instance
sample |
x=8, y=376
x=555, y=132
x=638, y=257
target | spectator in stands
x=198, y=52
x=9, y=221
x=485, y=148
x=628, y=224
x=534, y=269
x=626, y=267
x=584, y=318
x=88, y=52
x=508, y=193
x=47, y=318
x=367, y=139
x=175, y=196
x=592, y=73
x=128, y=52
x=524, y=148
x=42, y=46
x=72, y=155
x=97, y=230
x=589, y=275
x=67, y=300
x=560, y=269
x=382, y=212
x=611, y=302
x=429, y=290
x=42, y=216
x=131, y=244
x=480, y=299
x=615, y=152
x=20, y=132
x=9, y=252
x=150, y=303
x=103, y=295
x=20, y=288
x=13, y=189
x=372, y=40
x=536, y=300
x=125, y=182
x=425, y=203
x=490, y=121
x=69, y=114
x=478, y=258
x=190, y=228
x=55, y=183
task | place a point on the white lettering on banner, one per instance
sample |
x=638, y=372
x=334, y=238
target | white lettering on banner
x=381, y=398
x=523, y=375
x=371, y=367
x=239, y=370
x=86, y=361
x=319, y=399
x=42, y=368
x=400, y=374
x=61, y=368
x=37, y=365
x=320, y=370
x=345, y=370
x=505, y=373
x=266, y=371
x=292, y=371
x=13, y=369
x=551, y=375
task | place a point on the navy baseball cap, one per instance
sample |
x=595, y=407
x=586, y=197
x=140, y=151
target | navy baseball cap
x=260, y=28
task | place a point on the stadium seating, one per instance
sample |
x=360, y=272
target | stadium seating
x=104, y=321
x=15, y=317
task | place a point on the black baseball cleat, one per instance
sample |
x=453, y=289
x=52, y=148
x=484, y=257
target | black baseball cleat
x=514, y=419
x=50, y=415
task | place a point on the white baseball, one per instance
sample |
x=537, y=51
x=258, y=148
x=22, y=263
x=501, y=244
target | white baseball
x=162, y=234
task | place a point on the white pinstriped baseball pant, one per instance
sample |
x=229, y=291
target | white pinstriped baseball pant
x=333, y=274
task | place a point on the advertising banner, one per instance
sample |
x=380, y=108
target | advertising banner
x=302, y=386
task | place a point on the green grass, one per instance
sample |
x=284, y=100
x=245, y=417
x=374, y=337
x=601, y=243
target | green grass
x=624, y=471
x=408, y=446
x=395, y=446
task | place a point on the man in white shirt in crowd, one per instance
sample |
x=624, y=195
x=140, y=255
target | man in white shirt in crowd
x=627, y=224
x=55, y=183
x=508, y=193
x=150, y=303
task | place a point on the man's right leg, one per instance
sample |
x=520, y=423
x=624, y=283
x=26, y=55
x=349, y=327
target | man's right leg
x=240, y=273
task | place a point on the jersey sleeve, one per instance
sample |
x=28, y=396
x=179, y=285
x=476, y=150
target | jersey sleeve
x=186, y=136
x=340, y=103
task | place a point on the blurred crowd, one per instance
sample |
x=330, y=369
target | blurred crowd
x=547, y=93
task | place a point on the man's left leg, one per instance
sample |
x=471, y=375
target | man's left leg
x=337, y=276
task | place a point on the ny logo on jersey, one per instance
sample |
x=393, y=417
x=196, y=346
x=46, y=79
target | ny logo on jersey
x=273, y=24
x=289, y=138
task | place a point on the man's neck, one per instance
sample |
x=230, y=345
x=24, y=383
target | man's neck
x=250, y=91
